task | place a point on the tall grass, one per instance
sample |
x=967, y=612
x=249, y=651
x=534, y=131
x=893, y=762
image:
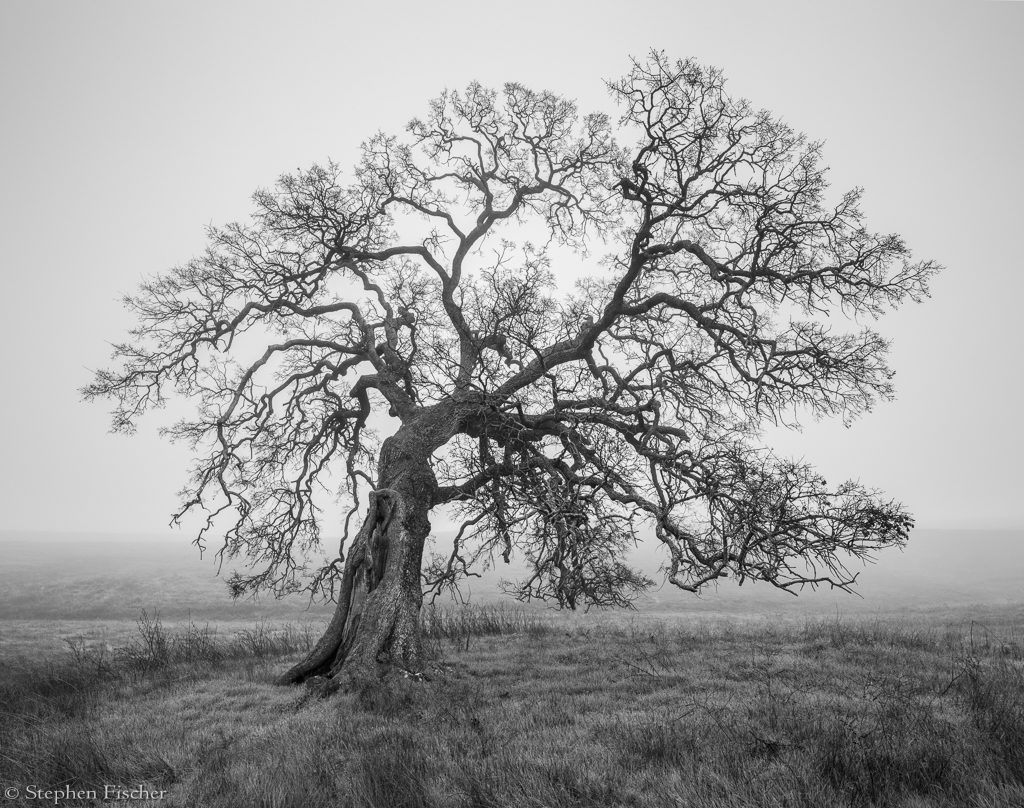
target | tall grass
x=156, y=647
x=457, y=623
x=540, y=712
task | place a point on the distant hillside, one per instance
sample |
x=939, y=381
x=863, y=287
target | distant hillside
x=87, y=576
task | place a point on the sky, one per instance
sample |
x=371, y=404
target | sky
x=130, y=126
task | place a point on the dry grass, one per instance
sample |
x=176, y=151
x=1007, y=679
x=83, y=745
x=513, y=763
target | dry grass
x=530, y=711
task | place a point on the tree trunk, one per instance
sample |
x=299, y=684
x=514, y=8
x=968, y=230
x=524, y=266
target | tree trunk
x=376, y=622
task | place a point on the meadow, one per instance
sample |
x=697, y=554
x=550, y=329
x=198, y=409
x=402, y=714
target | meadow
x=123, y=664
x=528, y=709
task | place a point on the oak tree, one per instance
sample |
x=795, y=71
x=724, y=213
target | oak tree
x=568, y=330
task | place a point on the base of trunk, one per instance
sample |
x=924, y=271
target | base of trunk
x=384, y=636
x=376, y=623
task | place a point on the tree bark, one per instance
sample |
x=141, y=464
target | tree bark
x=376, y=621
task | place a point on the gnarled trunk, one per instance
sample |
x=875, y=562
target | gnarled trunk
x=376, y=622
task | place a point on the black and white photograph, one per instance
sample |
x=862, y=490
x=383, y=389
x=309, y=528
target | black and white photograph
x=535, y=405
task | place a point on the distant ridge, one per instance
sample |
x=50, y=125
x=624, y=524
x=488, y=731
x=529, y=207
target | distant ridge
x=94, y=576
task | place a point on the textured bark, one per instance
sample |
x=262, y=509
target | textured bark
x=376, y=621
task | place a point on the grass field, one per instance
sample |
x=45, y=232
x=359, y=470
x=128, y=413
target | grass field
x=529, y=709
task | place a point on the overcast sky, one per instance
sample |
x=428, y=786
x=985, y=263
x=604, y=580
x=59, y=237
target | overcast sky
x=128, y=126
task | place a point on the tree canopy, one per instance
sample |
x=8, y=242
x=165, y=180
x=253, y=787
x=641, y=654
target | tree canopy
x=583, y=322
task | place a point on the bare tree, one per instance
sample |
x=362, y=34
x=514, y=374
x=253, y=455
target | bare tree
x=417, y=299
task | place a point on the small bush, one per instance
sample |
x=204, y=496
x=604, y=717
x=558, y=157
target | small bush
x=902, y=751
x=994, y=694
x=661, y=744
